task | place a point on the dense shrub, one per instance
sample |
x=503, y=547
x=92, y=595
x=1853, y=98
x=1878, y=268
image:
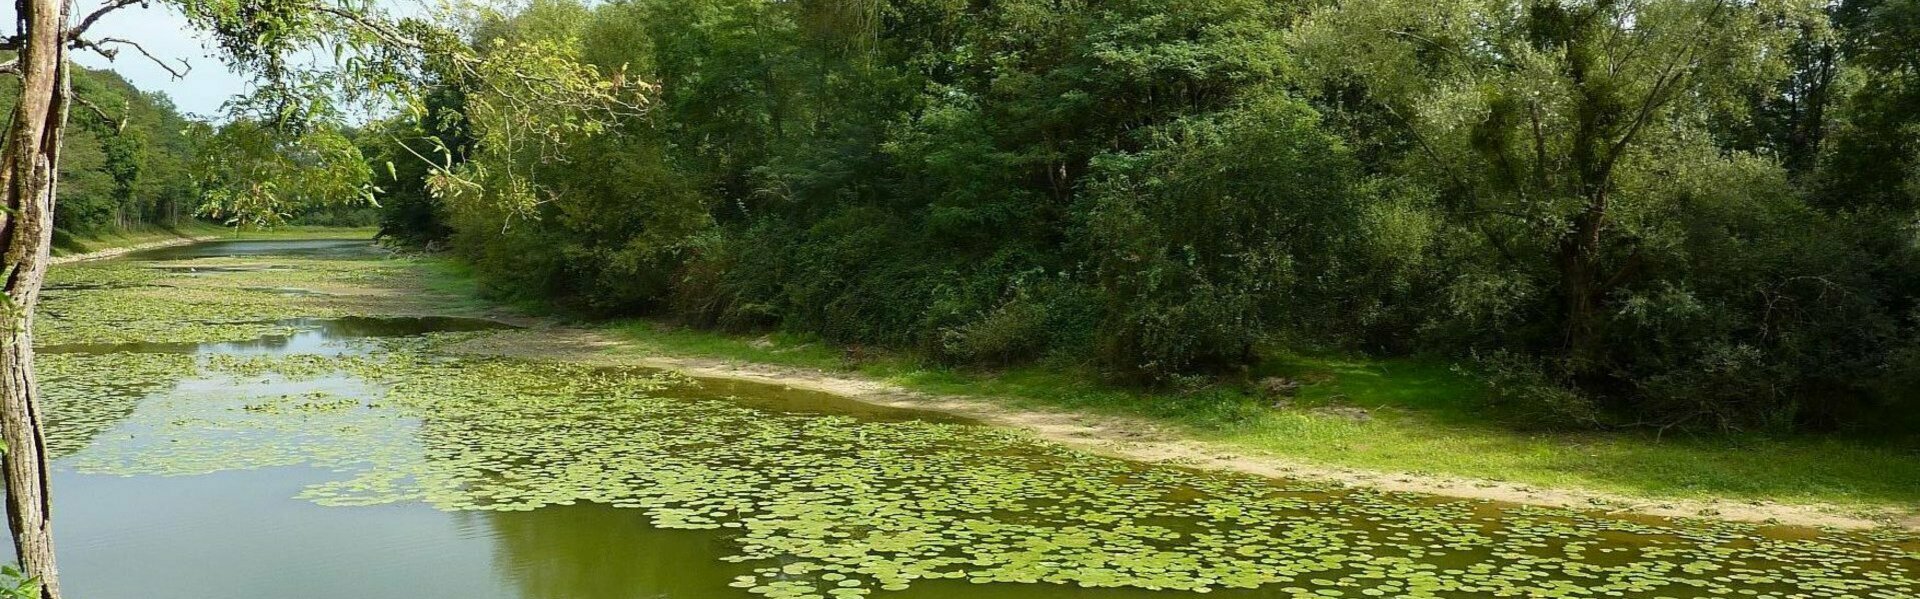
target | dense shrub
x=1224, y=228
x=1689, y=228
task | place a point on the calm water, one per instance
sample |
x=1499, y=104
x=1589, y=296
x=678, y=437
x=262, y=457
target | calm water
x=247, y=532
x=306, y=248
x=244, y=534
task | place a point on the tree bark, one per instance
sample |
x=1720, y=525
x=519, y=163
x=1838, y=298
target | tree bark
x=1582, y=288
x=29, y=170
x=1594, y=149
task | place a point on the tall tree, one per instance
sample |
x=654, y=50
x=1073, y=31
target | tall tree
x=29, y=165
x=1531, y=115
x=1874, y=158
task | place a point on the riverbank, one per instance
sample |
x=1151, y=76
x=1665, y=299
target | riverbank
x=1393, y=425
x=93, y=245
x=237, y=387
x=1400, y=425
x=1162, y=440
x=70, y=247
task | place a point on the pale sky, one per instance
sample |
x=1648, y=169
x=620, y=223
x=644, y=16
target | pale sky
x=165, y=34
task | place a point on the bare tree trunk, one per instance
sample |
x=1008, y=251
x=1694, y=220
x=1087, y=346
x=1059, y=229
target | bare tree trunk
x=29, y=168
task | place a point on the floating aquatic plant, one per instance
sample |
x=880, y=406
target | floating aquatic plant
x=830, y=506
x=130, y=302
x=820, y=505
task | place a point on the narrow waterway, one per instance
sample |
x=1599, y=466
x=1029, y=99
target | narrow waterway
x=278, y=419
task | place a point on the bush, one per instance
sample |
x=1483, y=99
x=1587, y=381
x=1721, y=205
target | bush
x=1522, y=391
x=1223, y=229
x=1136, y=184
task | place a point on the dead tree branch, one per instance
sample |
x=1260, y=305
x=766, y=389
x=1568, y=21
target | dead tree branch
x=93, y=17
x=99, y=46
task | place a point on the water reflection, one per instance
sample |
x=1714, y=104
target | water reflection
x=318, y=336
x=308, y=248
x=243, y=533
x=239, y=534
x=592, y=551
x=154, y=537
x=246, y=533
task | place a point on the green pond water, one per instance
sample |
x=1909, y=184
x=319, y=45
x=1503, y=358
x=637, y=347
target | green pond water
x=352, y=455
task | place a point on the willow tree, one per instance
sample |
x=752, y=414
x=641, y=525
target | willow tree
x=1551, y=128
x=378, y=59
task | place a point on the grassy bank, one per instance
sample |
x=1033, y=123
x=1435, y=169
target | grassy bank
x=1410, y=416
x=67, y=243
x=1400, y=415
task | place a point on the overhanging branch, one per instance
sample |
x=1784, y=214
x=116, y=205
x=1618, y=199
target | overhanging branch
x=99, y=46
x=93, y=17
x=386, y=32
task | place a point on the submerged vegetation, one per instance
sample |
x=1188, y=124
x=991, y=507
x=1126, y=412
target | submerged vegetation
x=125, y=302
x=832, y=506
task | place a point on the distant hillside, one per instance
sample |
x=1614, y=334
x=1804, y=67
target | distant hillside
x=123, y=180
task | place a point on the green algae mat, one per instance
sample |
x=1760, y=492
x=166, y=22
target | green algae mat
x=377, y=465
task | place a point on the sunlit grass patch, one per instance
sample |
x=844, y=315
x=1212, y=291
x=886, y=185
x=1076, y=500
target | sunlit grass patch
x=1392, y=415
x=69, y=243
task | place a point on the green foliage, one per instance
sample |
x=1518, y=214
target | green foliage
x=1678, y=212
x=256, y=174
x=124, y=165
x=1223, y=229
x=1591, y=221
x=1873, y=160
x=401, y=151
x=799, y=170
x=17, y=585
